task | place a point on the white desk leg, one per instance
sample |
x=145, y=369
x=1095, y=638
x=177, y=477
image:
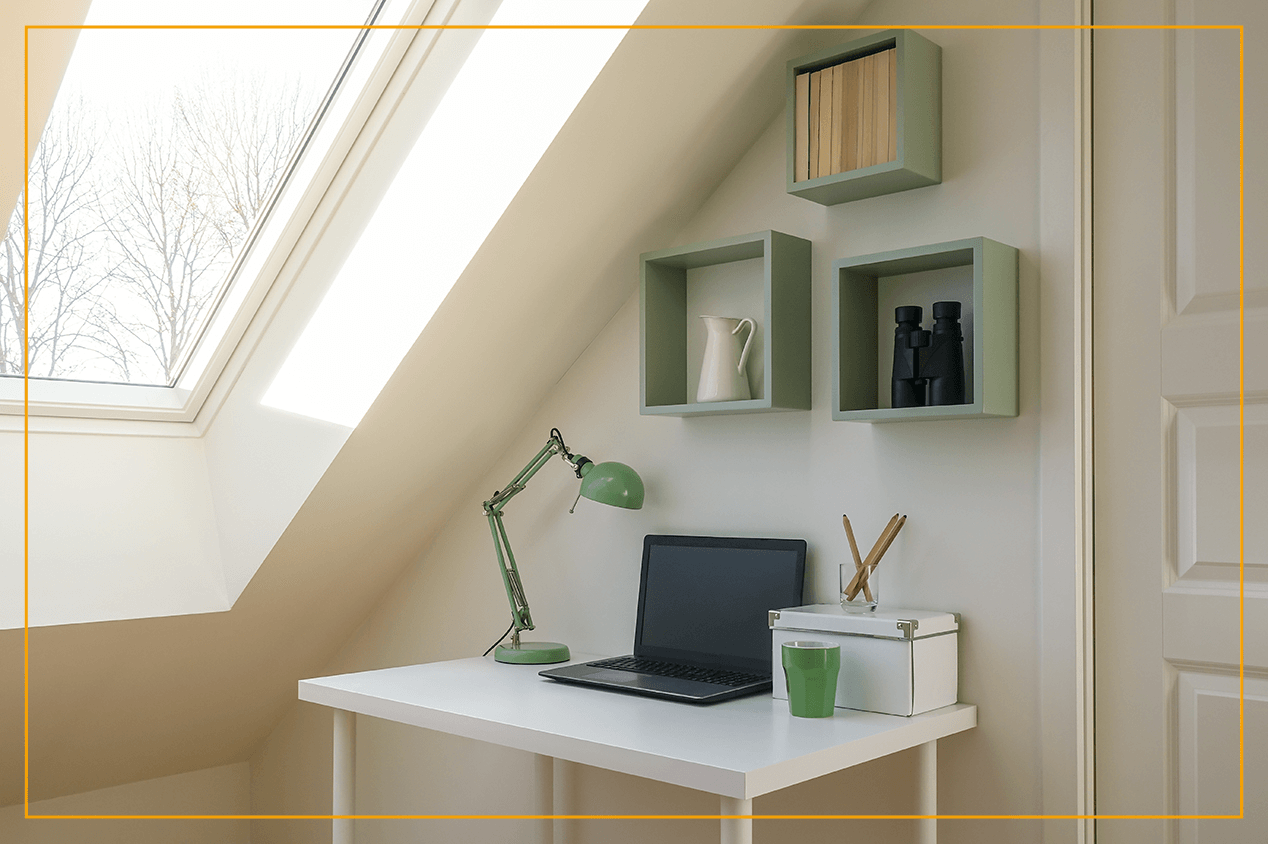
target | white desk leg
x=565, y=777
x=345, y=767
x=927, y=792
x=737, y=830
x=543, y=775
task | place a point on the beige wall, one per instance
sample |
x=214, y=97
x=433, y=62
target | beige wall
x=970, y=489
x=214, y=791
x=29, y=80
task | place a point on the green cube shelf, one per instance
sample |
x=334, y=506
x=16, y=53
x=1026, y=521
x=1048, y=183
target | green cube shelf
x=992, y=345
x=919, y=120
x=663, y=370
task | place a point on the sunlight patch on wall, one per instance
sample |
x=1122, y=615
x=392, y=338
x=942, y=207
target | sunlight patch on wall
x=500, y=114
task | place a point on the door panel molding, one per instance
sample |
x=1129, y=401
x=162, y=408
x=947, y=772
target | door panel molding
x=1208, y=755
x=1201, y=628
x=1200, y=358
x=1205, y=168
x=1206, y=505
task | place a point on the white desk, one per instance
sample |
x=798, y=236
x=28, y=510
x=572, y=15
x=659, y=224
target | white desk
x=737, y=749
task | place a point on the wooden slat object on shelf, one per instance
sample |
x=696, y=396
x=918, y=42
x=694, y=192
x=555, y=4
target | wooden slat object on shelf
x=864, y=112
x=838, y=96
x=825, y=121
x=880, y=112
x=847, y=116
x=803, y=128
x=849, y=135
x=892, y=56
x=816, y=80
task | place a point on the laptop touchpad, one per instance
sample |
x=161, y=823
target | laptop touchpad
x=607, y=675
x=635, y=680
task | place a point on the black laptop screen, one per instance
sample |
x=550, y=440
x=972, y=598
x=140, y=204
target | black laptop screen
x=704, y=600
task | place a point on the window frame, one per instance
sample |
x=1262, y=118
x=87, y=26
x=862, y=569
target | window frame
x=387, y=58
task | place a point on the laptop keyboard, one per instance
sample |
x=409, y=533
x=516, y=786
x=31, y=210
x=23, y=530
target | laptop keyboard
x=685, y=672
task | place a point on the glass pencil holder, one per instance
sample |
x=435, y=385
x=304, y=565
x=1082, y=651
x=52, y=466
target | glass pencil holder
x=860, y=587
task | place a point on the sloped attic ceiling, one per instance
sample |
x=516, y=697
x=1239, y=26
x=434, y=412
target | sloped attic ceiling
x=667, y=119
x=45, y=75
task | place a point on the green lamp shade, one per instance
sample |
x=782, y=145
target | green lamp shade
x=612, y=483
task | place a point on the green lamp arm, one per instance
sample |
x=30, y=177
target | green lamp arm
x=522, y=619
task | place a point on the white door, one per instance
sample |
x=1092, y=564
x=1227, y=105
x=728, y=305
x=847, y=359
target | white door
x=1166, y=408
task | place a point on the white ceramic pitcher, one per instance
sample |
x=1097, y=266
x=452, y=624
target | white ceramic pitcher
x=722, y=376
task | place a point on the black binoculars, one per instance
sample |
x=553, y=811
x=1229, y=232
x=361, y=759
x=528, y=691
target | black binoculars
x=928, y=367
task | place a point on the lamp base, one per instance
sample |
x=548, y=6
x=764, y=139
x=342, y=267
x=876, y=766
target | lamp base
x=532, y=653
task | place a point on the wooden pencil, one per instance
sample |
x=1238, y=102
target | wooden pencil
x=854, y=550
x=873, y=559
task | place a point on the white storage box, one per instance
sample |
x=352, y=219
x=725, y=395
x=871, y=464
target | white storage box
x=900, y=662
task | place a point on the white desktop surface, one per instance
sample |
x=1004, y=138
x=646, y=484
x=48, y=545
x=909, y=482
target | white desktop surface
x=738, y=748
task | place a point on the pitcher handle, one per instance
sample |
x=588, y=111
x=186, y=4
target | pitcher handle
x=752, y=329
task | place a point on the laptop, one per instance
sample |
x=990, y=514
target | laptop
x=702, y=633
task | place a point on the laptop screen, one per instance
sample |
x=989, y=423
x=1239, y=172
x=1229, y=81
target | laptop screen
x=704, y=600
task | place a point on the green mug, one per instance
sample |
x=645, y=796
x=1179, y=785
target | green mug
x=810, y=672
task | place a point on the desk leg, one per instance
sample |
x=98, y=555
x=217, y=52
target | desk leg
x=737, y=830
x=543, y=775
x=927, y=791
x=344, y=785
x=564, y=780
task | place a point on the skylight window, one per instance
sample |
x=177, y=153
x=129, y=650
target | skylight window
x=161, y=155
x=463, y=172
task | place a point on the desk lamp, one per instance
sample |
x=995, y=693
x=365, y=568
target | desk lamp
x=608, y=483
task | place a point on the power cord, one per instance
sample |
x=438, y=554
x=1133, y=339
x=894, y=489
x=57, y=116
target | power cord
x=499, y=641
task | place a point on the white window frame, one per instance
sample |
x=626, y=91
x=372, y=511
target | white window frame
x=388, y=59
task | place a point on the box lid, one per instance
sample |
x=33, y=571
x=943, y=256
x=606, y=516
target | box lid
x=880, y=623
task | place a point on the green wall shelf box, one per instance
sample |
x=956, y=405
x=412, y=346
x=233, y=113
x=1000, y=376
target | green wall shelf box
x=784, y=326
x=991, y=342
x=915, y=114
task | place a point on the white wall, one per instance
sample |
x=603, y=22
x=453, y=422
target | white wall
x=214, y=791
x=120, y=527
x=970, y=489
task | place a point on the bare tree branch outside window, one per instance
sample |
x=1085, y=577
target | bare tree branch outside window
x=241, y=138
x=68, y=270
x=131, y=241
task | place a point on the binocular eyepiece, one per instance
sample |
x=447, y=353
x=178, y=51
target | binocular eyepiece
x=928, y=366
